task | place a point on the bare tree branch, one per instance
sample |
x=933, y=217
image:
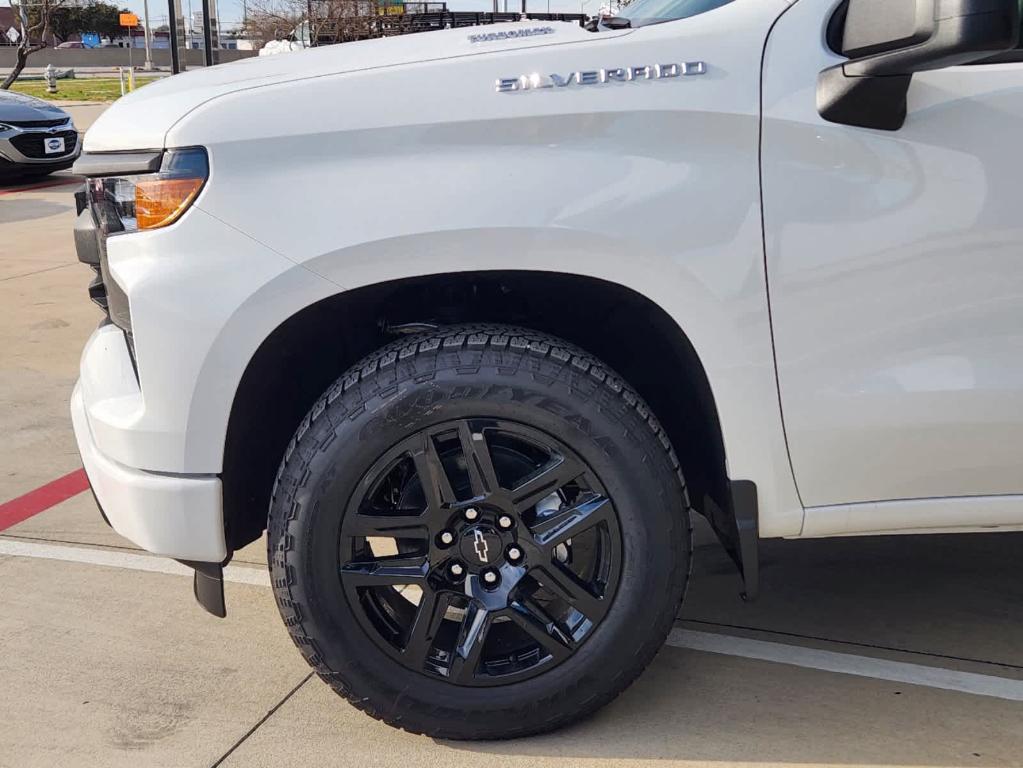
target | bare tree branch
x=333, y=20
x=36, y=21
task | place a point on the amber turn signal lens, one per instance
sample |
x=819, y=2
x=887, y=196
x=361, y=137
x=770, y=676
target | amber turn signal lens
x=158, y=202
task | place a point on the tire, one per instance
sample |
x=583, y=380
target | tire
x=527, y=400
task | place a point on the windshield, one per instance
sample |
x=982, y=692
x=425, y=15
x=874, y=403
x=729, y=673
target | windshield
x=641, y=12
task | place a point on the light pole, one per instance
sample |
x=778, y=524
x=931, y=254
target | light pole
x=178, y=46
x=207, y=34
x=216, y=22
x=148, y=66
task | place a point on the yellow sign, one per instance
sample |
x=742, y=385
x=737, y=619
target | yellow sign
x=129, y=20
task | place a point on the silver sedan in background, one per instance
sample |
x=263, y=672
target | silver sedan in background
x=36, y=138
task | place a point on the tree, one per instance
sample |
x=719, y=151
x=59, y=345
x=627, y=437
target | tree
x=102, y=18
x=340, y=21
x=36, y=22
x=273, y=19
x=93, y=16
x=335, y=21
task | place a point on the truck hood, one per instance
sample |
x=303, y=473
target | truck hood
x=141, y=119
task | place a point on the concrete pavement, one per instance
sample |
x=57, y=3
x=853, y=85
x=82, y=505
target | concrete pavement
x=84, y=113
x=105, y=665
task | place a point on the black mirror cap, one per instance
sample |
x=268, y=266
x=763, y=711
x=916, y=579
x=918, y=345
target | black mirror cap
x=870, y=91
x=864, y=102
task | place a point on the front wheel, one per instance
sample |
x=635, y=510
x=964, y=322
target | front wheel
x=479, y=533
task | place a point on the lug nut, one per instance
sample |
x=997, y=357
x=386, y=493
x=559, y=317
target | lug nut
x=447, y=537
x=471, y=514
x=514, y=554
x=561, y=552
x=490, y=578
x=456, y=569
x=504, y=521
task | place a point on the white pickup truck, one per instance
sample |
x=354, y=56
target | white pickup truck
x=471, y=322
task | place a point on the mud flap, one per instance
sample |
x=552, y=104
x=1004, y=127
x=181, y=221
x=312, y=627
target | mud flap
x=738, y=530
x=208, y=586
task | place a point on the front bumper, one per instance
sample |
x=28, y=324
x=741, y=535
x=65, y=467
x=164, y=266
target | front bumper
x=178, y=516
x=21, y=149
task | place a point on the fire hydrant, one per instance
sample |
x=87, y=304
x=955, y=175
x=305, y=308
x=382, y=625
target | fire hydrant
x=51, y=79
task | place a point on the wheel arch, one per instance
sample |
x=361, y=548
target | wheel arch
x=311, y=348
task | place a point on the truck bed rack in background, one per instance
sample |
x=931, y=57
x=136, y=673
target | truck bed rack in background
x=340, y=30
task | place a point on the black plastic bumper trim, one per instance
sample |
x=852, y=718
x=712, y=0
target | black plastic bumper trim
x=87, y=239
x=94, y=164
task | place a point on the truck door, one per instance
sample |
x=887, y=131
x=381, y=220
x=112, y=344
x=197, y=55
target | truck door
x=895, y=264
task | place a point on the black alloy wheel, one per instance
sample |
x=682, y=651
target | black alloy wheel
x=497, y=552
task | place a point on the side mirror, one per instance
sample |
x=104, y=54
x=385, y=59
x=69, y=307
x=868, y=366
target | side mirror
x=888, y=40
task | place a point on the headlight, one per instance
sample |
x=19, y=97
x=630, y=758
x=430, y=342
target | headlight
x=151, y=200
x=4, y=127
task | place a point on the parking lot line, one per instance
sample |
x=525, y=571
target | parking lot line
x=32, y=503
x=850, y=664
x=44, y=185
x=729, y=645
x=130, y=561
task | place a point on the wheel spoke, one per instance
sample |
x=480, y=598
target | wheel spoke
x=555, y=527
x=388, y=526
x=567, y=586
x=423, y=631
x=558, y=474
x=386, y=571
x=434, y=480
x=541, y=626
x=472, y=636
x=478, y=461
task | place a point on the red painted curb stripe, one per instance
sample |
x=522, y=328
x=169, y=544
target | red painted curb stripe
x=45, y=185
x=32, y=503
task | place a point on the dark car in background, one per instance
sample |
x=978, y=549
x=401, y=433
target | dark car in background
x=36, y=138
